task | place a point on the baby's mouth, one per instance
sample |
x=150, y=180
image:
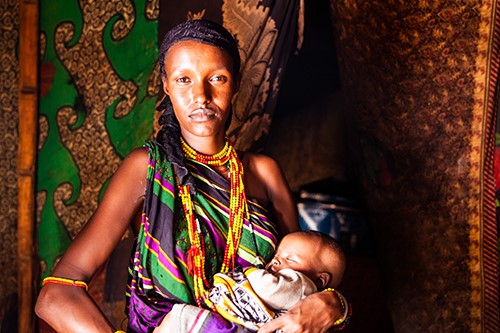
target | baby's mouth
x=270, y=269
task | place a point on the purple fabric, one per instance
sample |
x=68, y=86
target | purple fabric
x=146, y=313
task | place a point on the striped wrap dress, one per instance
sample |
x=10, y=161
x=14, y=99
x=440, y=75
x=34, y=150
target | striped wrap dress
x=158, y=271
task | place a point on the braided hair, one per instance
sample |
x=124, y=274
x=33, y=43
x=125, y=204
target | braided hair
x=202, y=31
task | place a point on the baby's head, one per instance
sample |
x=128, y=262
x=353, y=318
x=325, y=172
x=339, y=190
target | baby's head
x=315, y=254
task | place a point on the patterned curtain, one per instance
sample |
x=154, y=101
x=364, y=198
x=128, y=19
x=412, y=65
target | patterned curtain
x=420, y=80
x=9, y=71
x=99, y=88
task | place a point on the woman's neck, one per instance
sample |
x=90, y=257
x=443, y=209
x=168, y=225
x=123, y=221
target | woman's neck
x=205, y=145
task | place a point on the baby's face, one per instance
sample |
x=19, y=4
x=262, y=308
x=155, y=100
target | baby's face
x=297, y=252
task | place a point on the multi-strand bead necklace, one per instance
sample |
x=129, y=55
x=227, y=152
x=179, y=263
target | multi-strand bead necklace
x=238, y=212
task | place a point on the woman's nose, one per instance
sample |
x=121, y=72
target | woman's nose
x=201, y=93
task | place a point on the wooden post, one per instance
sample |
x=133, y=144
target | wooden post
x=26, y=160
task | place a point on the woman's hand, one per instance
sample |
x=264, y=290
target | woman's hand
x=314, y=314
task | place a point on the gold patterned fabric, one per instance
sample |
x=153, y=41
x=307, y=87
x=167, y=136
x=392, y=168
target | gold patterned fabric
x=9, y=71
x=419, y=79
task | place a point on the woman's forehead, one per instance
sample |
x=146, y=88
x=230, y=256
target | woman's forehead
x=189, y=49
x=194, y=45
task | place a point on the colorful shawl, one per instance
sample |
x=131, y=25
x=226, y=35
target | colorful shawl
x=158, y=274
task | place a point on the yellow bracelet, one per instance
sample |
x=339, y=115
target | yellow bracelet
x=342, y=304
x=120, y=331
x=64, y=281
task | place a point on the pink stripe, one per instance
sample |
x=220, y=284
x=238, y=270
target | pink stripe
x=195, y=321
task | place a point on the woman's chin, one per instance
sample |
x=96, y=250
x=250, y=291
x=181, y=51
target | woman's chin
x=206, y=129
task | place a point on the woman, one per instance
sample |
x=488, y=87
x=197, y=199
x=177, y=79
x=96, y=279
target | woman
x=200, y=215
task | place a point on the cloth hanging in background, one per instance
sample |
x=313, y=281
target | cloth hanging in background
x=98, y=92
x=420, y=86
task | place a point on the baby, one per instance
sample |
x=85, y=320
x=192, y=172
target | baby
x=305, y=262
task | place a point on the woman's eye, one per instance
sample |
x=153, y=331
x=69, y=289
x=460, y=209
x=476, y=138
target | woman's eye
x=218, y=78
x=182, y=80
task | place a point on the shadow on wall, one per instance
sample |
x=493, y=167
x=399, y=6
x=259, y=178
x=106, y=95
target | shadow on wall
x=8, y=313
x=309, y=138
x=307, y=134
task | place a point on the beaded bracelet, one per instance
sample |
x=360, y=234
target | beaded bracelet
x=342, y=304
x=64, y=281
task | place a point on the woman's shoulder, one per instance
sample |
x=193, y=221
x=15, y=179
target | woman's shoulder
x=264, y=168
x=137, y=155
x=149, y=151
x=135, y=163
x=263, y=176
x=259, y=163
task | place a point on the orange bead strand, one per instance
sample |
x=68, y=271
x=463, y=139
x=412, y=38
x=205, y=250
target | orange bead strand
x=238, y=212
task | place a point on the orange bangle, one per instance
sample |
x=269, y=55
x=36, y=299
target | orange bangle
x=64, y=281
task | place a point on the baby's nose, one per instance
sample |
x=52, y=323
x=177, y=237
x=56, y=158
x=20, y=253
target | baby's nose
x=273, y=265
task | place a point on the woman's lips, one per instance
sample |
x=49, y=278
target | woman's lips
x=202, y=114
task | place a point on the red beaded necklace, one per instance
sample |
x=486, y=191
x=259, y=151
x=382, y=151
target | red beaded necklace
x=238, y=212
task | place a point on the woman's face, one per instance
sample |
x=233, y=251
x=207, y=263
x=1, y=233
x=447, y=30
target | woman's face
x=201, y=83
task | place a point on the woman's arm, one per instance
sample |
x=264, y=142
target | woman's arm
x=70, y=309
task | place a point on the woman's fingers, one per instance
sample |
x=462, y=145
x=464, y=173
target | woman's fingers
x=314, y=314
x=273, y=326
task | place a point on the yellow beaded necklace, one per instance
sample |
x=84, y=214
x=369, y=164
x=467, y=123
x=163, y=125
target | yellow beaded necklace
x=238, y=212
